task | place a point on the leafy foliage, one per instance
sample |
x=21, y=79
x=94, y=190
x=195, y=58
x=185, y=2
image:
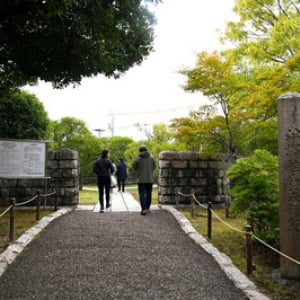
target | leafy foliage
x=201, y=131
x=117, y=145
x=244, y=82
x=161, y=140
x=73, y=133
x=22, y=116
x=64, y=41
x=266, y=31
x=255, y=189
x=66, y=129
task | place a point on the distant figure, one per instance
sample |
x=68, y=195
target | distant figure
x=144, y=164
x=103, y=167
x=122, y=173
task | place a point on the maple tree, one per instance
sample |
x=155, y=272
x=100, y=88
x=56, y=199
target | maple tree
x=245, y=81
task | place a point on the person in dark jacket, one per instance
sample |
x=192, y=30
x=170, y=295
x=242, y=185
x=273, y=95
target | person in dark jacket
x=103, y=167
x=144, y=164
x=122, y=172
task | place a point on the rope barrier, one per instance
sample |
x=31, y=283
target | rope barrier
x=225, y=223
x=257, y=238
x=277, y=251
x=184, y=195
x=28, y=201
x=48, y=195
x=4, y=212
x=199, y=203
x=11, y=208
x=242, y=231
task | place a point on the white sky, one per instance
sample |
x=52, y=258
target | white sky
x=149, y=93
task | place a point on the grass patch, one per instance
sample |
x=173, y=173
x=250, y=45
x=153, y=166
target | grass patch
x=88, y=197
x=232, y=243
x=24, y=220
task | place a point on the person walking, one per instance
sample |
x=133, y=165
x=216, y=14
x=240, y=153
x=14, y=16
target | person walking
x=103, y=167
x=144, y=164
x=122, y=172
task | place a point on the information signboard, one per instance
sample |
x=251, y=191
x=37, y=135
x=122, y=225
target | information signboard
x=22, y=158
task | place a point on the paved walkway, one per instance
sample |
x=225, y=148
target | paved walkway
x=120, y=202
x=82, y=254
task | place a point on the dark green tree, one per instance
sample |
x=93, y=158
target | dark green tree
x=64, y=41
x=22, y=116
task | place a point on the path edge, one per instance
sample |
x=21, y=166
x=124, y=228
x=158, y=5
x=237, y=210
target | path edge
x=15, y=248
x=240, y=280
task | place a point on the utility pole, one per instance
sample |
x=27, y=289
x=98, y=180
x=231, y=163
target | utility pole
x=99, y=130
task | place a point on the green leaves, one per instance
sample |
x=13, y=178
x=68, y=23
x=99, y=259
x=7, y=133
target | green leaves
x=255, y=189
x=67, y=130
x=64, y=41
x=22, y=116
x=266, y=30
x=244, y=82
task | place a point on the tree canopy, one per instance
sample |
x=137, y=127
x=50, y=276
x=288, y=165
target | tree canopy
x=245, y=81
x=66, y=130
x=62, y=41
x=22, y=116
x=266, y=31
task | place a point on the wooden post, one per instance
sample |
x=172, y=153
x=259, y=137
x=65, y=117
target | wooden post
x=177, y=198
x=249, y=248
x=12, y=219
x=192, y=203
x=55, y=201
x=38, y=206
x=209, y=220
x=226, y=210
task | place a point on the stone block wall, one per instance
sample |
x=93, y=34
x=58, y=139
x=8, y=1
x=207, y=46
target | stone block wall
x=187, y=171
x=63, y=172
x=63, y=168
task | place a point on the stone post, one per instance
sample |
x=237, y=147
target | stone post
x=289, y=182
x=63, y=169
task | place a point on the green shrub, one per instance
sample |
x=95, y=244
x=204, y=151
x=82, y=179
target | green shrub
x=255, y=190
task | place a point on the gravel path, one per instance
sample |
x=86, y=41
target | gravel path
x=87, y=255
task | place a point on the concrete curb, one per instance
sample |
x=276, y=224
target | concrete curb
x=13, y=250
x=240, y=280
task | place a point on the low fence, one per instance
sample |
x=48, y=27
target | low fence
x=12, y=208
x=249, y=235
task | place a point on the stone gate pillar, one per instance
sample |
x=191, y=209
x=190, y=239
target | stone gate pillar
x=63, y=169
x=289, y=182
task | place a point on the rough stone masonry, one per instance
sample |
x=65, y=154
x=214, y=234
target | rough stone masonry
x=63, y=177
x=289, y=182
x=187, y=171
